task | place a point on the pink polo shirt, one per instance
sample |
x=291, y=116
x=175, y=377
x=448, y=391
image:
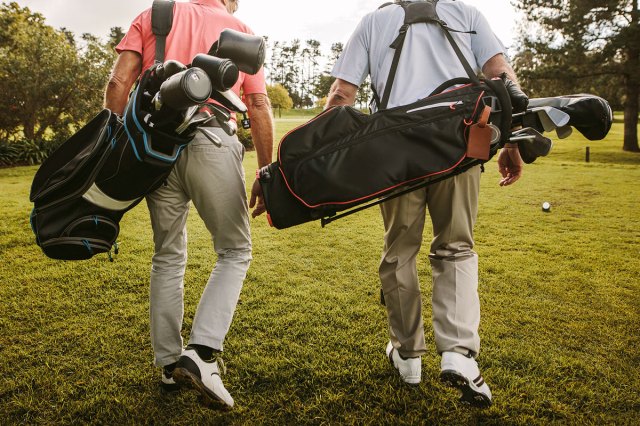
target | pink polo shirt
x=196, y=26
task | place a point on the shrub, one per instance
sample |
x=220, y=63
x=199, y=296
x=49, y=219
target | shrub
x=31, y=152
x=244, y=136
x=8, y=154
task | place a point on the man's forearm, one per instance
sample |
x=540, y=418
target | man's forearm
x=342, y=93
x=115, y=96
x=125, y=72
x=261, y=127
x=497, y=65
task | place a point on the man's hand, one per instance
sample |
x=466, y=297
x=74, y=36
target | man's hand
x=262, y=133
x=510, y=164
x=341, y=93
x=257, y=200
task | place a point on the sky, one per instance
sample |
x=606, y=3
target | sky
x=327, y=21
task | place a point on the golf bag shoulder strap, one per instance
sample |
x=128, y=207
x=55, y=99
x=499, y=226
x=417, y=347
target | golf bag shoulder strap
x=414, y=13
x=161, y=23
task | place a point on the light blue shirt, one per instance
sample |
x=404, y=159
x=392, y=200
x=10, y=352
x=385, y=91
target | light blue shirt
x=427, y=59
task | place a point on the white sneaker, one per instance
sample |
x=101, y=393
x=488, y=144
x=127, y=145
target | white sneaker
x=204, y=376
x=410, y=369
x=462, y=373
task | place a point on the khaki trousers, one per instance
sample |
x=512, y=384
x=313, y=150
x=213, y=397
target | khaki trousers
x=453, y=208
x=212, y=178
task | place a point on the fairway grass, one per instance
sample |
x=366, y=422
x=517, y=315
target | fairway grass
x=560, y=295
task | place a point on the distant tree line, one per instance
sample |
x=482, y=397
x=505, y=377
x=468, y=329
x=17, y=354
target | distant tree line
x=305, y=72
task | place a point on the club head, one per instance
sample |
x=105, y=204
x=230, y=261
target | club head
x=215, y=139
x=531, y=144
x=551, y=118
x=564, y=131
x=188, y=115
x=230, y=100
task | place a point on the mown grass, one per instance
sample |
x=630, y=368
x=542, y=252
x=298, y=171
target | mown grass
x=560, y=311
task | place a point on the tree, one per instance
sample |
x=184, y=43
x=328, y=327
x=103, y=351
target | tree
x=323, y=85
x=582, y=45
x=279, y=97
x=115, y=35
x=51, y=87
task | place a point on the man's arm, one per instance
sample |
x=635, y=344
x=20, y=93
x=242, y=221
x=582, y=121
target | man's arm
x=342, y=93
x=510, y=162
x=125, y=72
x=496, y=65
x=259, y=108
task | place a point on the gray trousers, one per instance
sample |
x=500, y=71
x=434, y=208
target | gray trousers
x=453, y=208
x=213, y=179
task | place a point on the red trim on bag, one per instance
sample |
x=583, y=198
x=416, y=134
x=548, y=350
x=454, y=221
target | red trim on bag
x=269, y=220
x=370, y=195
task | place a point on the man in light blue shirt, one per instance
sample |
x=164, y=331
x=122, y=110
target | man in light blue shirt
x=428, y=60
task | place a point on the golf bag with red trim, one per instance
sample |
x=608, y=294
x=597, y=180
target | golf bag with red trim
x=343, y=157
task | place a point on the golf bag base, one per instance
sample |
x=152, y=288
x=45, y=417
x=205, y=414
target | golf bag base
x=344, y=158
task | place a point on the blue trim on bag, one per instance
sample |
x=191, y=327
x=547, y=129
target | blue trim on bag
x=126, y=129
x=88, y=247
x=147, y=149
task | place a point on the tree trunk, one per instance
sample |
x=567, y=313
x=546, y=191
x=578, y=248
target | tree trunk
x=29, y=128
x=632, y=89
x=631, y=118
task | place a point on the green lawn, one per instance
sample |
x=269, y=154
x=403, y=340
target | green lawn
x=560, y=302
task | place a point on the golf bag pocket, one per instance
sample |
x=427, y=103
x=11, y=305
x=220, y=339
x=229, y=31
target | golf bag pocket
x=68, y=171
x=75, y=230
x=83, y=238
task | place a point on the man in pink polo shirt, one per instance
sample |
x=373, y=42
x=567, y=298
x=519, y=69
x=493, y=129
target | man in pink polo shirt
x=210, y=176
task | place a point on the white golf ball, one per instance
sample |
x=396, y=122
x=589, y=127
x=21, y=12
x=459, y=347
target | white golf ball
x=546, y=206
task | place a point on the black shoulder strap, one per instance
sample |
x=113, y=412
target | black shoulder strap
x=161, y=23
x=420, y=12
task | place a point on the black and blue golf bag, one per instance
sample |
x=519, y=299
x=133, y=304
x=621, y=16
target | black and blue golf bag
x=83, y=189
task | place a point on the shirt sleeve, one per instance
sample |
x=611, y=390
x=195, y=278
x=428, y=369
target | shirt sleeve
x=353, y=64
x=254, y=84
x=133, y=39
x=484, y=44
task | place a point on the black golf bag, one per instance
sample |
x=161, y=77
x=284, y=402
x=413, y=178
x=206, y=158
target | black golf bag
x=83, y=189
x=343, y=157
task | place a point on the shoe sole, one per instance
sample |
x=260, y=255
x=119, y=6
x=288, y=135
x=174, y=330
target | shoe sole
x=469, y=395
x=182, y=376
x=169, y=387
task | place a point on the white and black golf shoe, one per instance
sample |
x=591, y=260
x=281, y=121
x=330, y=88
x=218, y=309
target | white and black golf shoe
x=462, y=372
x=204, y=376
x=410, y=369
x=168, y=383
